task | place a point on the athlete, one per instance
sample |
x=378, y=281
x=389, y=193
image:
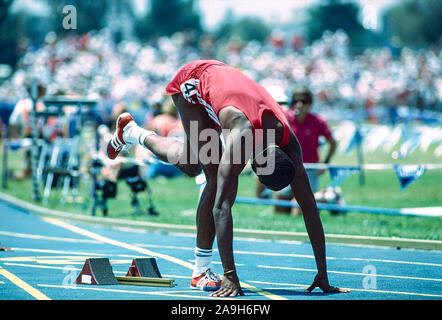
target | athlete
x=228, y=119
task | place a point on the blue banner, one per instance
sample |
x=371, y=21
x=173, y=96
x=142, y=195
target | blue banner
x=408, y=173
x=410, y=144
x=339, y=174
x=355, y=140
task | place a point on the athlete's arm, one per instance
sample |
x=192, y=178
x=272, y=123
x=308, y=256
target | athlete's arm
x=227, y=186
x=306, y=200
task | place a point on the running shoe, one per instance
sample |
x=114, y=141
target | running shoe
x=117, y=143
x=207, y=281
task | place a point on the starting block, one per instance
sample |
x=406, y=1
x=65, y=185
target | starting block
x=144, y=267
x=97, y=271
x=142, y=272
x=145, y=272
x=143, y=281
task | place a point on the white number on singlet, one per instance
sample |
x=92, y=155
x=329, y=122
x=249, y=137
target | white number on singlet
x=190, y=88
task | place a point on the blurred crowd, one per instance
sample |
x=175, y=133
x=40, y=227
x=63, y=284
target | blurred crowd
x=135, y=74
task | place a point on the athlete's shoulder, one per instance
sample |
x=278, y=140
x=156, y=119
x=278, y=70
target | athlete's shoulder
x=201, y=63
x=189, y=71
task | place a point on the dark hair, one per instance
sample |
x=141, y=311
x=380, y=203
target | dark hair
x=302, y=90
x=284, y=169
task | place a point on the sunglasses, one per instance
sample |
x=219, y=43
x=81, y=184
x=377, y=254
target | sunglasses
x=304, y=101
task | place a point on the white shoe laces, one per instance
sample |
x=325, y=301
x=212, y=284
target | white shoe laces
x=126, y=147
x=212, y=275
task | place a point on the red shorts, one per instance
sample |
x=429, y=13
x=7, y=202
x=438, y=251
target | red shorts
x=214, y=85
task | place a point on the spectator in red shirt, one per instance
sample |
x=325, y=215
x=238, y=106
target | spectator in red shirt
x=168, y=122
x=308, y=127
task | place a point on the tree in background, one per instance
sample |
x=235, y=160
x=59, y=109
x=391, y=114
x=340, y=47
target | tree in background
x=337, y=14
x=246, y=28
x=90, y=15
x=4, y=7
x=415, y=23
x=24, y=27
x=167, y=17
x=333, y=15
x=8, y=38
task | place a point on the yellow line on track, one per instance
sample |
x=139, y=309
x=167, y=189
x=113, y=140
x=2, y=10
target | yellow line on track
x=23, y=285
x=42, y=267
x=116, y=242
x=61, y=260
x=59, y=252
x=128, y=246
x=79, y=269
x=39, y=237
x=48, y=259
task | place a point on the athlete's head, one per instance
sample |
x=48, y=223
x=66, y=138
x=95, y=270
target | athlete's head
x=273, y=167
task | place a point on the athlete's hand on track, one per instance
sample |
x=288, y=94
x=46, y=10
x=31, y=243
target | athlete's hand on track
x=230, y=287
x=321, y=281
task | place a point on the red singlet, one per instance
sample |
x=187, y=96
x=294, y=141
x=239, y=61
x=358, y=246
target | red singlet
x=214, y=85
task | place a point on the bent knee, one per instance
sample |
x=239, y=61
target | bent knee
x=192, y=170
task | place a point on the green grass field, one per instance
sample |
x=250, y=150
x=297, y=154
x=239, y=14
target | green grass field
x=176, y=201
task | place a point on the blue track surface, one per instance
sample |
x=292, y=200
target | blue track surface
x=49, y=255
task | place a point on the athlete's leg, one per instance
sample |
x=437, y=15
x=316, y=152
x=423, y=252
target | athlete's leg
x=195, y=119
x=174, y=151
x=168, y=149
x=204, y=140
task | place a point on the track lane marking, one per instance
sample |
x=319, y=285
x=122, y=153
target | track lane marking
x=352, y=273
x=294, y=255
x=155, y=293
x=23, y=285
x=61, y=260
x=48, y=259
x=352, y=289
x=116, y=242
x=79, y=269
x=128, y=246
x=58, y=251
x=40, y=237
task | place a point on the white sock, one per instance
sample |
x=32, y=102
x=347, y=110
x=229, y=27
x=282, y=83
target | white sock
x=203, y=261
x=133, y=134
